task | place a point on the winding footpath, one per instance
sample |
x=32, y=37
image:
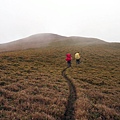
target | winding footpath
x=70, y=111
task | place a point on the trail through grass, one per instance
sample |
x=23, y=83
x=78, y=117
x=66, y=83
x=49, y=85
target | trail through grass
x=32, y=87
x=70, y=110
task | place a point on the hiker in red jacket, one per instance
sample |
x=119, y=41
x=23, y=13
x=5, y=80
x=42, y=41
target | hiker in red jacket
x=68, y=59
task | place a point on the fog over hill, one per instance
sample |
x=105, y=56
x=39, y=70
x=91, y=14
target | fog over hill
x=47, y=39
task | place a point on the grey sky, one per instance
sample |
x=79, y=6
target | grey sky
x=86, y=18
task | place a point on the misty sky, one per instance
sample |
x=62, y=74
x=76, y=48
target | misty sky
x=85, y=18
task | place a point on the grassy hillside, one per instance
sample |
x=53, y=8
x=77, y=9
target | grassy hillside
x=32, y=86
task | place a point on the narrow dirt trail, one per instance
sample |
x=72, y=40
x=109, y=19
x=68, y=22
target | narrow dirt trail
x=70, y=111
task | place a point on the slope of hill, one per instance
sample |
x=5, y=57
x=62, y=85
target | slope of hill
x=32, y=86
x=34, y=41
x=47, y=39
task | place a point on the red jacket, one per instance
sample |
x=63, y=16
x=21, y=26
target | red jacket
x=68, y=57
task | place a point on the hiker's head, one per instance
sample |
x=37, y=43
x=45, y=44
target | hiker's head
x=68, y=55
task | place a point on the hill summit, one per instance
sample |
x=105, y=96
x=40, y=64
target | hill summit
x=47, y=39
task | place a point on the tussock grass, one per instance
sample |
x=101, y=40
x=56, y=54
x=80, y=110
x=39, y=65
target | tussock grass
x=32, y=87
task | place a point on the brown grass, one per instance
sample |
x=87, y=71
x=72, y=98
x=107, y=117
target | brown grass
x=32, y=87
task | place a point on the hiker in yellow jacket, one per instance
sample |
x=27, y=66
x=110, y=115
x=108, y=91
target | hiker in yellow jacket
x=77, y=58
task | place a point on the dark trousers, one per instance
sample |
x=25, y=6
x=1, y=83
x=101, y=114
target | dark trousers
x=77, y=61
x=69, y=63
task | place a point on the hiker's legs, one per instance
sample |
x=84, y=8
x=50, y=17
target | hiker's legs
x=77, y=61
x=69, y=63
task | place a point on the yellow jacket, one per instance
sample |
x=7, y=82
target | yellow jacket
x=77, y=56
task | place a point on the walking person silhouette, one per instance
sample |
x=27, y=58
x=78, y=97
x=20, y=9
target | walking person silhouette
x=68, y=59
x=77, y=58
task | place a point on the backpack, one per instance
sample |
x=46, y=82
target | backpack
x=77, y=56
